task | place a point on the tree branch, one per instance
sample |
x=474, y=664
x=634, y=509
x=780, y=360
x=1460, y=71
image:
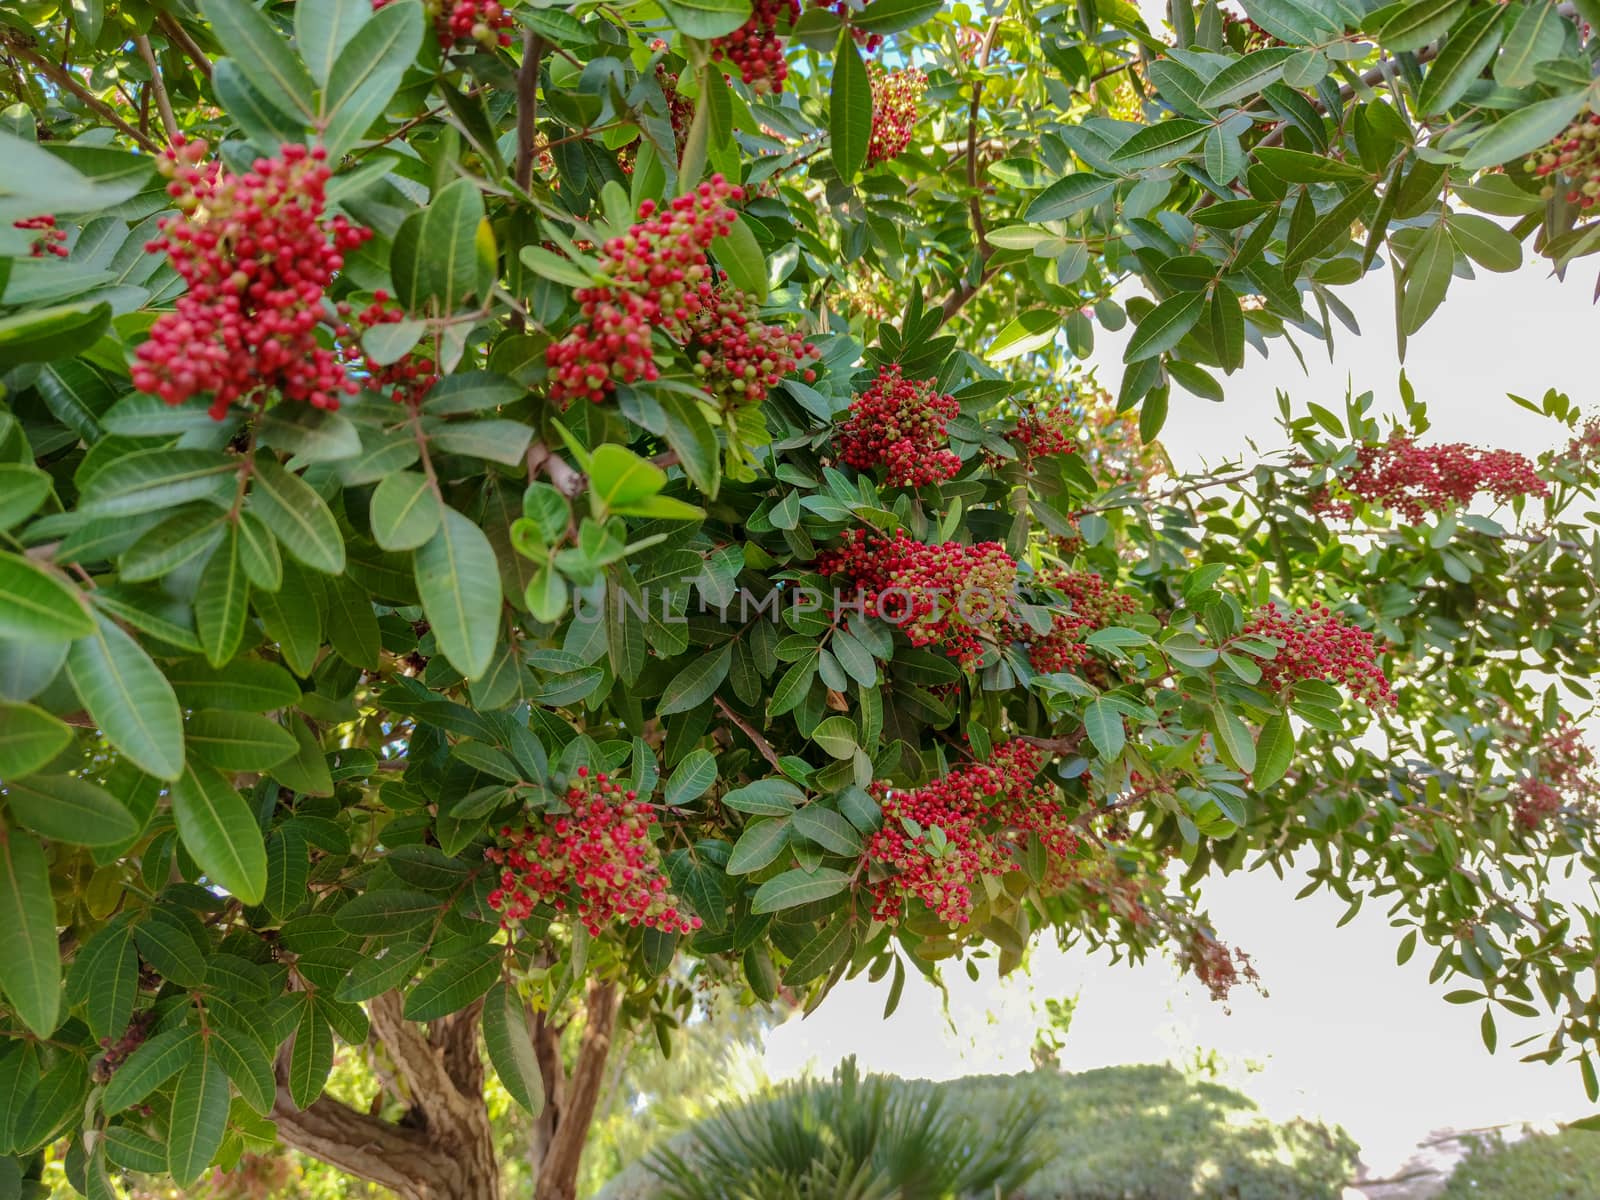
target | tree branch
x=750, y=731
x=558, y=1172
x=67, y=82
x=528, y=106
x=397, y=1158
x=169, y=121
x=180, y=36
x=567, y=480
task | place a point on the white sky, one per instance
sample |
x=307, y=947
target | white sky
x=1344, y=1034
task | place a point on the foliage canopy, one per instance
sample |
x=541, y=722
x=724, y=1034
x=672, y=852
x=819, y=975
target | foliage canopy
x=433, y=442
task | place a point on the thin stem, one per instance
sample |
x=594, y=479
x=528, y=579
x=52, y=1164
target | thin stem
x=169, y=121
x=67, y=82
x=760, y=743
x=528, y=106
x=180, y=36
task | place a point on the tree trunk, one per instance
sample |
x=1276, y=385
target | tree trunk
x=443, y=1148
x=557, y=1141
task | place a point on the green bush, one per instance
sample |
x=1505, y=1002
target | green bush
x=1127, y=1133
x=1563, y=1166
x=851, y=1138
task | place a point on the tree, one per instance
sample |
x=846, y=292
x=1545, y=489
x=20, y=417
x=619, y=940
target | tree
x=498, y=501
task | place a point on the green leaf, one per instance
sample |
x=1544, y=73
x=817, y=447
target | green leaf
x=765, y=798
x=691, y=779
x=1164, y=326
x=1246, y=76
x=1223, y=155
x=23, y=488
x=694, y=685
x=618, y=476
x=56, y=1102
x=827, y=829
x=706, y=19
x=385, y=969
x=849, y=108
x=104, y=978
x=238, y=741
x=31, y=737
x=458, y=580
x=389, y=912
x=1525, y=129
x=129, y=699
x=837, y=736
x=65, y=808
x=796, y=887
x=821, y=954
x=30, y=962
x=299, y=518
x=434, y=262
x=894, y=16
x=739, y=255
x=367, y=72
x=147, y=1068
x=45, y=334
x=1485, y=243
x=1427, y=277
x=758, y=846
x=244, y=685
x=244, y=1060
x=288, y=868
x=322, y=30
x=262, y=56
x=35, y=606
x=308, y=770
x=1233, y=738
x=219, y=830
x=1467, y=51
x=157, y=480
x=1535, y=38
x=1330, y=227
x=1160, y=144
x=1274, y=752
x=199, y=1116
x=510, y=1046
x=1068, y=196
x=1104, y=723
x=1227, y=327
x=502, y=441
x=1027, y=332
x=455, y=983
x=1413, y=25
x=221, y=601
x=311, y=1058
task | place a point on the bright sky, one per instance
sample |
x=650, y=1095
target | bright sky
x=1344, y=1034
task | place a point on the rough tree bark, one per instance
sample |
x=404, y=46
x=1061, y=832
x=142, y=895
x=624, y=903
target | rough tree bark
x=556, y=1144
x=443, y=1148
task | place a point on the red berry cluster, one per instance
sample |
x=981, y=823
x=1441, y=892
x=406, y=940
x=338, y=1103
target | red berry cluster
x=1564, y=776
x=1584, y=449
x=1419, y=479
x=951, y=596
x=1574, y=155
x=973, y=808
x=680, y=112
x=1094, y=605
x=755, y=47
x=258, y=257
x=601, y=850
x=50, y=240
x=486, y=22
x=1217, y=966
x=1317, y=643
x=409, y=379
x=895, y=95
x=900, y=424
x=1043, y=434
x=845, y=9
x=654, y=277
x=736, y=356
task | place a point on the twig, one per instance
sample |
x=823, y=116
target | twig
x=760, y=743
x=66, y=81
x=169, y=122
x=980, y=233
x=568, y=481
x=528, y=106
x=180, y=35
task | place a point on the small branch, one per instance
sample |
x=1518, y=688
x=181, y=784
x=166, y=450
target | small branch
x=67, y=82
x=180, y=36
x=528, y=106
x=1057, y=745
x=957, y=300
x=980, y=233
x=568, y=481
x=760, y=743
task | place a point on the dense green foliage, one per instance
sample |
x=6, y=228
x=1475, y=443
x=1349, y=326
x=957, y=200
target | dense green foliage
x=1563, y=1166
x=360, y=678
x=1122, y=1132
